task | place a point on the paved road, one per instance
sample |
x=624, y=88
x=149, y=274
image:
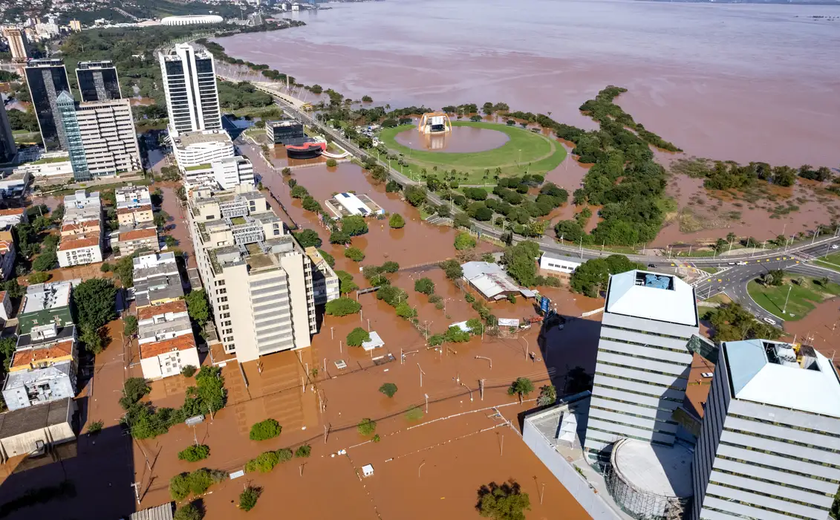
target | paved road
x=733, y=279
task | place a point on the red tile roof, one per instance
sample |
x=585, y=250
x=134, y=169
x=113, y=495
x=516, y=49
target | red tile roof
x=145, y=313
x=11, y=211
x=149, y=350
x=138, y=234
x=35, y=355
x=78, y=241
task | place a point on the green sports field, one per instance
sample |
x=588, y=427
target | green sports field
x=524, y=152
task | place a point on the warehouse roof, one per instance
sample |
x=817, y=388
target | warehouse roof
x=35, y=417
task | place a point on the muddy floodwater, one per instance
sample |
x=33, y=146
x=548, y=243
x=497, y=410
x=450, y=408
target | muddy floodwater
x=462, y=139
x=740, y=82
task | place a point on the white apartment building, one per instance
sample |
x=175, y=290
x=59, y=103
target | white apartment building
x=81, y=230
x=324, y=280
x=17, y=43
x=258, y=279
x=108, y=137
x=196, y=150
x=189, y=82
x=156, y=279
x=643, y=360
x=769, y=447
x=233, y=171
x=166, y=340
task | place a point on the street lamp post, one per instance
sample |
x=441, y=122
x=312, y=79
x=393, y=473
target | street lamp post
x=784, y=310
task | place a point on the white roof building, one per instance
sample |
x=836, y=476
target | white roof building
x=559, y=263
x=652, y=296
x=350, y=204
x=375, y=342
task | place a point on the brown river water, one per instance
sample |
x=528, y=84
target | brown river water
x=740, y=82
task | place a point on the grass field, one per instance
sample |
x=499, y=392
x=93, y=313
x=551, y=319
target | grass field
x=524, y=152
x=831, y=261
x=803, y=298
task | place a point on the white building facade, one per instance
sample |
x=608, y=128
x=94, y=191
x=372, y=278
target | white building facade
x=108, y=137
x=233, y=171
x=769, y=447
x=189, y=82
x=196, y=150
x=643, y=360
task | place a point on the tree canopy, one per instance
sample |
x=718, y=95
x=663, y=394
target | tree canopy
x=198, y=307
x=505, y=502
x=357, y=336
x=342, y=307
x=591, y=277
x=95, y=301
x=520, y=261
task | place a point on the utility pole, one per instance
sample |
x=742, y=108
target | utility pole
x=332, y=336
x=340, y=348
x=136, y=493
x=502, y=446
x=542, y=493
x=420, y=467
x=421, y=375
x=427, y=402
x=481, y=388
x=784, y=310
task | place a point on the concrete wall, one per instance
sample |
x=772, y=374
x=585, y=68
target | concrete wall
x=567, y=475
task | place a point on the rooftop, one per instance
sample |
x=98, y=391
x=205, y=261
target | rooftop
x=153, y=330
x=786, y=375
x=35, y=417
x=203, y=136
x=658, y=470
x=46, y=296
x=151, y=311
x=652, y=296
x=133, y=209
x=45, y=335
x=29, y=356
x=23, y=378
x=150, y=290
x=489, y=279
x=138, y=234
x=79, y=241
x=185, y=342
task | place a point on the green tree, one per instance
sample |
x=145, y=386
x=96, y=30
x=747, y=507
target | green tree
x=776, y=277
x=520, y=263
x=415, y=195
x=346, y=285
x=130, y=325
x=342, y=307
x=548, y=395
x=248, y=498
x=264, y=462
x=194, y=453
x=198, y=307
x=308, y=238
x=303, y=451
x=505, y=502
x=188, y=512
x=522, y=386
x=367, y=426
x=464, y=241
x=299, y=192
x=475, y=326
x=591, y=277
x=332, y=163
x=95, y=300
x=731, y=322
x=36, y=278
x=354, y=225
x=404, y=310
x=424, y=286
x=330, y=259
x=310, y=204
x=188, y=371
x=179, y=486
x=388, y=389
x=124, y=270
x=569, y=230
x=46, y=261
x=357, y=336
x=452, y=269
x=267, y=429
x=396, y=221
x=339, y=237
x=354, y=253
x=92, y=339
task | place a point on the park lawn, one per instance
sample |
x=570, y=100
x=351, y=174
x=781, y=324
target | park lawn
x=539, y=154
x=831, y=261
x=803, y=298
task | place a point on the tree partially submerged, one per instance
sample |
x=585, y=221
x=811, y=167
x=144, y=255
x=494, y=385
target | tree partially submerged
x=503, y=502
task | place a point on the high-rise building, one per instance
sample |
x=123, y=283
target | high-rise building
x=643, y=360
x=47, y=79
x=7, y=139
x=769, y=446
x=189, y=82
x=258, y=278
x=98, y=81
x=17, y=43
x=109, y=137
x=69, y=125
x=233, y=171
x=75, y=25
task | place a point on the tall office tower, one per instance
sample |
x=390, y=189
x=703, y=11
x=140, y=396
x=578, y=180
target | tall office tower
x=69, y=125
x=189, y=81
x=643, y=361
x=769, y=446
x=258, y=278
x=109, y=137
x=17, y=43
x=7, y=139
x=46, y=80
x=98, y=81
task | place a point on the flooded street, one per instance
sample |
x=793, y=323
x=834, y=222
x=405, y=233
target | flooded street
x=739, y=82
